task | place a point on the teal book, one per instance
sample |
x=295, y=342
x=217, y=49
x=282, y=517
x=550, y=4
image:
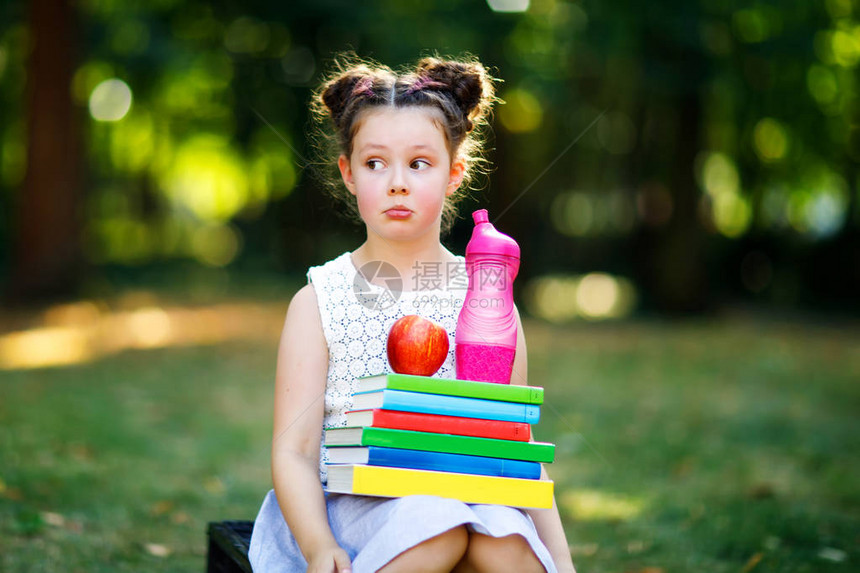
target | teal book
x=447, y=405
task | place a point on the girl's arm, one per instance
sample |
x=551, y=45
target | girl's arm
x=300, y=383
x=547, y=521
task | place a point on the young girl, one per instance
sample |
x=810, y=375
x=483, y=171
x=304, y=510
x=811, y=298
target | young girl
x=406, y=142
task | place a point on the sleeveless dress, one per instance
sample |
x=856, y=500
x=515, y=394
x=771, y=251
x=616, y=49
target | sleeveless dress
x=356, y=316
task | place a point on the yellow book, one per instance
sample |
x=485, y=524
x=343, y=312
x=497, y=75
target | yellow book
x=385, y=481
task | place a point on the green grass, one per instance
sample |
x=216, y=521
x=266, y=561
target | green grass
x=724, y=445
x=137, y=450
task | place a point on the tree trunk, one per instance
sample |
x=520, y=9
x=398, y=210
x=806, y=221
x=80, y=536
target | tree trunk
x=46, y=255
x=680, y=261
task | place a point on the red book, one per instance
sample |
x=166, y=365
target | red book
x=437, y=424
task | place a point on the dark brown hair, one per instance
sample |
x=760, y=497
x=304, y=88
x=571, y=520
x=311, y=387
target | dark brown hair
x=462, y=90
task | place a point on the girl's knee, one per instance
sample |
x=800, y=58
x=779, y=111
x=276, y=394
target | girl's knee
x=439, y=553
x=510, y=553
x=453, y=542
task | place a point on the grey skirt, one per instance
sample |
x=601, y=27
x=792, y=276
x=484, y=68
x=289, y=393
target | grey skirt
x=375, y=530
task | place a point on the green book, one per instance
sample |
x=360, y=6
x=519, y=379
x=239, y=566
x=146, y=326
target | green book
x=450, y=387
x=447, y=443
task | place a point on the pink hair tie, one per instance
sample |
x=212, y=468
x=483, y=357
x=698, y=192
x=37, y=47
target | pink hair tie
x=422, y=83
x=364, y=87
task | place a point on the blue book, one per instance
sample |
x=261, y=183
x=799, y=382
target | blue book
x=435, y=461
x=446, y=405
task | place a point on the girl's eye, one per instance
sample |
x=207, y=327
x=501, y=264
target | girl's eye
x=374, y=164
x=419, y=164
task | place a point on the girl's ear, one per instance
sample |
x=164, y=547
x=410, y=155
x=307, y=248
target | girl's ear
x=458, y=171
x=346, y=173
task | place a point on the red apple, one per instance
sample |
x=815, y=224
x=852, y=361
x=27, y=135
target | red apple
x=417, y=345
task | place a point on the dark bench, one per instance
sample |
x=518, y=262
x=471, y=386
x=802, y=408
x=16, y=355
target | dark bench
x=228, y=547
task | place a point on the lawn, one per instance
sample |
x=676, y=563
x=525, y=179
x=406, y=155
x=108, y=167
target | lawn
x=721, y=444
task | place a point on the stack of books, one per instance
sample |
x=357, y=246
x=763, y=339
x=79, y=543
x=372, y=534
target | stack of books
x=417, y=435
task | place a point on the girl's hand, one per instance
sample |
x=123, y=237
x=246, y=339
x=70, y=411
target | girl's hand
x=330, y=560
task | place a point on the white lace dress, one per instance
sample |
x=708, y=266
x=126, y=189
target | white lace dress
x=356, y=317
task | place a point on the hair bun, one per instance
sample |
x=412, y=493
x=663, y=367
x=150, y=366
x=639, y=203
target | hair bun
x=339, y=91
x=469, y=83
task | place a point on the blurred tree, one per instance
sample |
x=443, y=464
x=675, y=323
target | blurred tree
x=703, y=148
x=727, y=130
x=46, y=257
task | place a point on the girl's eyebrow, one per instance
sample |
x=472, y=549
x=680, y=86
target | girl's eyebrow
x=368, y=146
x=378, y=146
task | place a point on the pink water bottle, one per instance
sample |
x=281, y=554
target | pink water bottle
x=486, y=338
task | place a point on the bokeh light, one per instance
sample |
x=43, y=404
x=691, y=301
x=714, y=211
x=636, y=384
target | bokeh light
x=198, y=88
x=87, y=77
x=272, y=171
x=754, y=25
x=246, y=36
x=732, y=214
x=216, y=245
x=13, y=153
x=87, y=330
x=553, y=298
x=819, y=207
x=845, y=44
x=815, y=203
x=594, y=296
x=120, y=238
x=823, y=46
x=583, y=214
x=132, y=143
x=729, y=211
x=599, y=505
x=508, y=5
x=838, y=8
x=207, y=178
x=572, y=214
x=616, y=133
x=129, y=37
x=298, y=65
x=110, y=100
x=773, y=208
x=717, y=38
x=149, y=327
x=771, y=140
x=522, y=111
x=719, y=175
x=822, y=84
x=43, y=347
x=597, y=295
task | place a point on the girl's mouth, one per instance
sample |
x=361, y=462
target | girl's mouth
x=398, y=212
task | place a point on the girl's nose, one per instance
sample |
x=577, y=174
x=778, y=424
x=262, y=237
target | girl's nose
x=397, y=183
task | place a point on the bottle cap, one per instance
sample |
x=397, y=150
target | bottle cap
x=486, y=240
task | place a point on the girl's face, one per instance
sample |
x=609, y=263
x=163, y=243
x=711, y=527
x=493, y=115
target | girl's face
x=401, y=172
